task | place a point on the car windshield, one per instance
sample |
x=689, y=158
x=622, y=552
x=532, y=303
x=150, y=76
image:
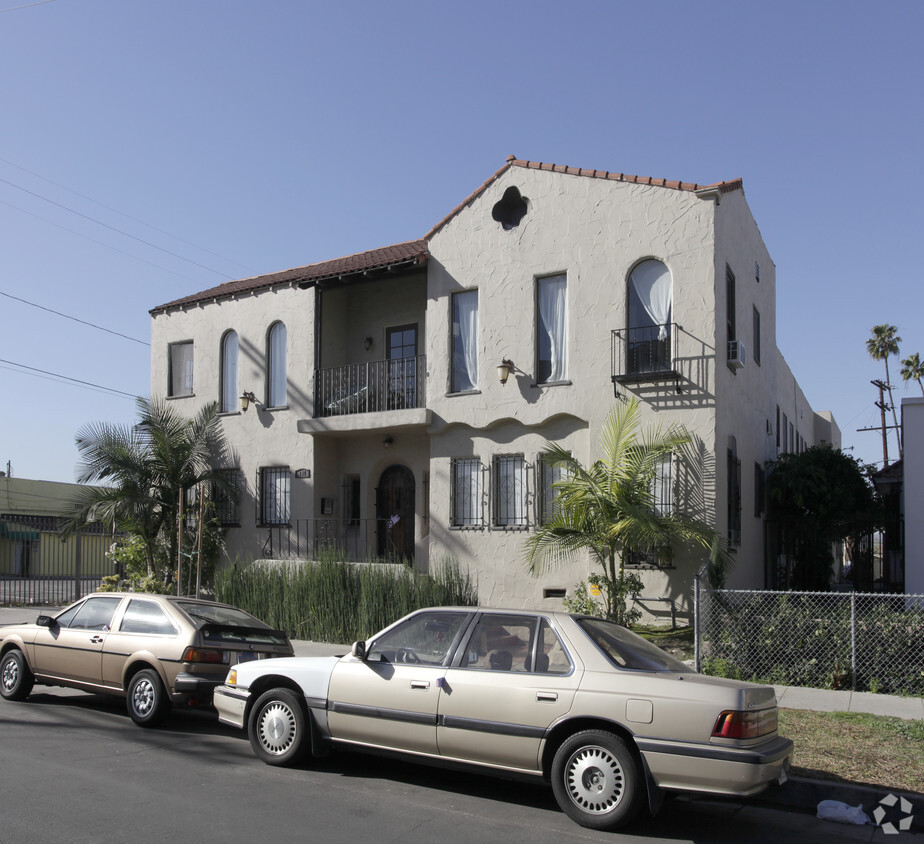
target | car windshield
x=229, y=624
x=626, y=649
x=218, y=614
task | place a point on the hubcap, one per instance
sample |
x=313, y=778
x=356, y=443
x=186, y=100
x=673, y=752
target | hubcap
x=143, y=696
x=277, y=727
x=594, y=780
x=10, y=674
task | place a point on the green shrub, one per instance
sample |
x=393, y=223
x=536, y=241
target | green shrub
x=336, y=601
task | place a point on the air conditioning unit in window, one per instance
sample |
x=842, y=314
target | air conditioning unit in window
x=737, y=354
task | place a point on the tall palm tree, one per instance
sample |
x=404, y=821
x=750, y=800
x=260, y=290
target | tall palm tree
x=881, y=346
x=146, y=468
x=913, y=370
x=609, y=508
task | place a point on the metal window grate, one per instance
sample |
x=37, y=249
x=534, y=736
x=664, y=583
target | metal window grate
x=226, y=497
x=466, y=492
x=275, y=488
x=509, y=487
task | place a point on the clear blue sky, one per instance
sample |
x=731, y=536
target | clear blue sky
x=152, y=148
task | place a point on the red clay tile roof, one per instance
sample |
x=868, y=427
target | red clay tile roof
x=414, y=251
x=513, y=161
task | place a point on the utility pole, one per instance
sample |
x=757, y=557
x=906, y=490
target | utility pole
x=883, y=406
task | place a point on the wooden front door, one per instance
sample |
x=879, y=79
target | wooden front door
x=395, y=513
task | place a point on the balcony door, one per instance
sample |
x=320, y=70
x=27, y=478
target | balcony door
x=648, y=336
x=395, y=513
x=401, y=344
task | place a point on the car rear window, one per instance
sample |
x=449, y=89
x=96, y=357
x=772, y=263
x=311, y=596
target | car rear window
x=626, y=649
x=220, y=623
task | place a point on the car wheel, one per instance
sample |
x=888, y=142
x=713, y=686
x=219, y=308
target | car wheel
x=147, y=699
x=278, y=727
x=16, y=678
x=596, y=779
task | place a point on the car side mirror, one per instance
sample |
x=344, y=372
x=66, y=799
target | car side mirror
x=359, y=650
x=46, y=621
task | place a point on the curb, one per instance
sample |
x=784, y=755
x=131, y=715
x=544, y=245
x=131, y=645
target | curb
x=804, y=794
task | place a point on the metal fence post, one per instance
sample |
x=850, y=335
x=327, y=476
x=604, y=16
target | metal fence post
x=853, y=641
x=697, y=653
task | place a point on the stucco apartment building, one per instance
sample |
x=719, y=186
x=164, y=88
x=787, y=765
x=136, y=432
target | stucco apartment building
x=396, y=402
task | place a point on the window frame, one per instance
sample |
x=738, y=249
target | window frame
x=458, y=344
x=544, y=335
x=228, y=392
x=509, y=512
x=277, y=366
x=281, y=515
x=177, y=386
x=472, y=517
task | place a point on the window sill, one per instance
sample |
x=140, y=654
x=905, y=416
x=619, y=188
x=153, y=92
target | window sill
x=463, y=393
x=508, y=528
x=552, y=384
x=183, y=396
x=274, y=409
x=466, y=527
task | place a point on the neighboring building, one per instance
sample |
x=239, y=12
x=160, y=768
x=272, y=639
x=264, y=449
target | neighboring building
x=902, y=556
x=35, y=556
x=380, y=422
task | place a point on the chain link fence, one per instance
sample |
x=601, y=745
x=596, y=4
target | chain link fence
x=832, y=640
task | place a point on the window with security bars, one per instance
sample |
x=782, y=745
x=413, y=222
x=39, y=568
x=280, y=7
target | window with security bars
x=550, y=473
x=275, y=490
x=466, y=492
x=660, y=489
x=226, y=497
x=509, y=487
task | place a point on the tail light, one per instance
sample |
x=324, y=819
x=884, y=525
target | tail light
x=745, y=725
x=203, y=655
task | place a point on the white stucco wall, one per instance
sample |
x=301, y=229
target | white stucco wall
x=259, y=437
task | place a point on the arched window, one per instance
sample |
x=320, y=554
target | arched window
x=229, y=392
x=649, y=317
x=276, y=369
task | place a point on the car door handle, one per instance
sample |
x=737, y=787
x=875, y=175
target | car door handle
x=95, y=640
x=546, y=697
x=423, y=685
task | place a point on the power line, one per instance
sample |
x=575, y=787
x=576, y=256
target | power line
x=67, y=316
x=127, y=216
x=55, y=376
x=99, y=242
x=113, y=228
x=27, y=5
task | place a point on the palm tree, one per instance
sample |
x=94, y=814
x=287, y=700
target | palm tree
x=609, y=508
x=882, y=345
x=912, y=369
x=146, y=468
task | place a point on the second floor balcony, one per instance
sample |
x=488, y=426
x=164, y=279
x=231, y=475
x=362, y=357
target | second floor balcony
x=371, y=387
x=646, y=354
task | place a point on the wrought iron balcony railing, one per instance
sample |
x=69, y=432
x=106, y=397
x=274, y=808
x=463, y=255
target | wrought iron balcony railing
x=371, y=387
x=645, y=354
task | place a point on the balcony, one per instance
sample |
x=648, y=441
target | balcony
x=645, y=355
x=372, y=387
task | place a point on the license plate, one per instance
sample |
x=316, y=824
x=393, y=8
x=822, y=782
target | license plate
x=247, y=656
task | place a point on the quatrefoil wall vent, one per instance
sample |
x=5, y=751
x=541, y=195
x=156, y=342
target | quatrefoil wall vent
x=510, y=210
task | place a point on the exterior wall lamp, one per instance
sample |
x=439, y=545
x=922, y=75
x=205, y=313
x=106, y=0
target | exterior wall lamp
x=246, y=398
x=388, y=442
x=367, y=343
x=504, y=368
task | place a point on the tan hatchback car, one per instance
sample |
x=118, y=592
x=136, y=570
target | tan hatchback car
x=153, y=650
x=611, y=720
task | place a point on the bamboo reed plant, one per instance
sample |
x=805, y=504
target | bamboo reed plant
x=331, y=600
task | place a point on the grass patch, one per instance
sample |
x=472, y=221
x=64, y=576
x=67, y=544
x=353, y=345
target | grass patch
x=856, y=747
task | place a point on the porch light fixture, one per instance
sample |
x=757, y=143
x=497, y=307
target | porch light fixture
x=246, y=398
x=504, y=368
x=388, y=442
x=367, y=343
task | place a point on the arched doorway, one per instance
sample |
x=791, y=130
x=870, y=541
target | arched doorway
x=394, y=510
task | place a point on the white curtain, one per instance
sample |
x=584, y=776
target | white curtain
x=553, y=316
x=652, y=282
x=465, y=338
x=181, y=369
x=277, y=366
x=229, y=392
